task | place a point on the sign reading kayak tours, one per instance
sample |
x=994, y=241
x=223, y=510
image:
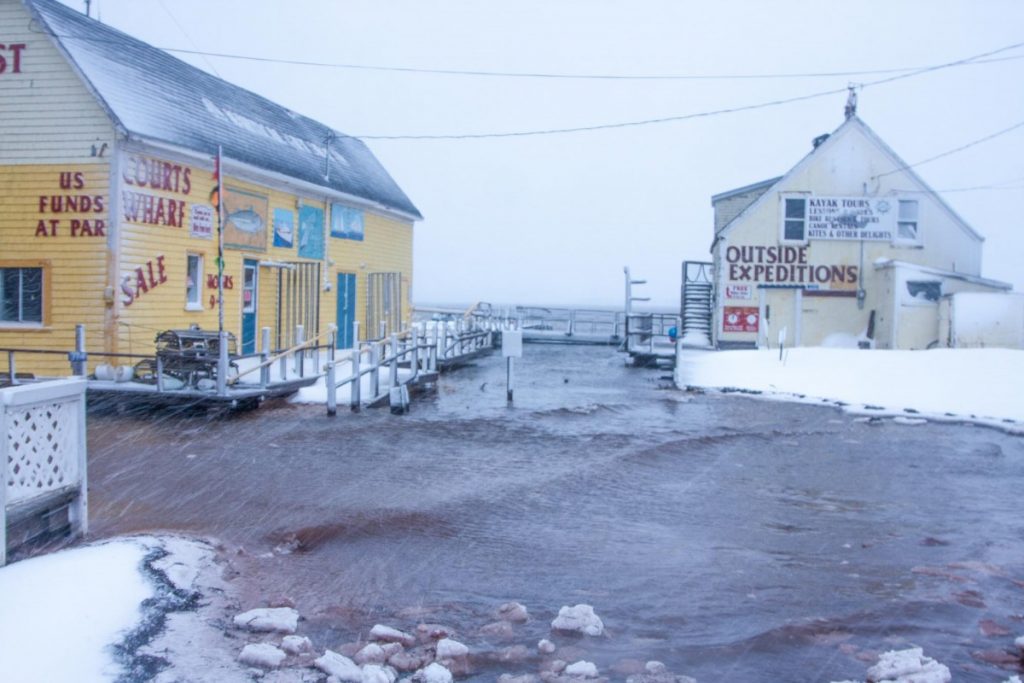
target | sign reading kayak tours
x=851, y=218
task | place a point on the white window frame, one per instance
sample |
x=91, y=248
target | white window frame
x=783, y=219
x=912, y=222
x=197, y=304
x=43, y=293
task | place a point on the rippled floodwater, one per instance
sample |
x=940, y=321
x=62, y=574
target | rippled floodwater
x=731, y=538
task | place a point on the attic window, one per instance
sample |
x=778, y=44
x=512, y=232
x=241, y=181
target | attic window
x=906, y=227
x=795, y=228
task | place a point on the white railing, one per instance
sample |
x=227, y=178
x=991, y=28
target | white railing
x=425, y=348
x=43, y=452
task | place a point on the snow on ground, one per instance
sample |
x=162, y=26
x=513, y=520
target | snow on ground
x=982, y=385
x=61, y=612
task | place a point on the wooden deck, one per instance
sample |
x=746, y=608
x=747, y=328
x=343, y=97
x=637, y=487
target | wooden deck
x=237, y=396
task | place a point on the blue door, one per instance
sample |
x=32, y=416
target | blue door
x=250, y=295
x=346, y=309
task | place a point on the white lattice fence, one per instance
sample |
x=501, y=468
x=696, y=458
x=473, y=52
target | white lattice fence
x=42, y=450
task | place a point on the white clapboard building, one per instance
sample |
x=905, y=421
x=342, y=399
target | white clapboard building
x=849, y=247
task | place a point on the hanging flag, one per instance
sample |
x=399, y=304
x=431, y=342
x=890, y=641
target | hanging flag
x=215, y=196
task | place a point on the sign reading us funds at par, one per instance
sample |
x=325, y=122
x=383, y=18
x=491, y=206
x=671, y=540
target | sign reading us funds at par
x=851, y=218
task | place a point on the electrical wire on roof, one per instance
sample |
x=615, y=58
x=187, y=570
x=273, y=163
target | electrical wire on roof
x=961, y=148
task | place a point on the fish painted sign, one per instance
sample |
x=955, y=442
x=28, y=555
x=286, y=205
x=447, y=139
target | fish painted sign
x=245, y=219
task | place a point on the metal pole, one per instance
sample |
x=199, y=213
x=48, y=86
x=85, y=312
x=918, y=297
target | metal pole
x=332, y=340
x=10, y=368
x=79, y=366
x=159, y=374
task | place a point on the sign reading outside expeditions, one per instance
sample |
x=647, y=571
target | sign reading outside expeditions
x=851, y=218
x=740, y=319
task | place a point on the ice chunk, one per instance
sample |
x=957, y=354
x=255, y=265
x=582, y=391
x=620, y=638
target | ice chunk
x=280, y=619
x=339, y=666
x=263, y=655
x=580, y=618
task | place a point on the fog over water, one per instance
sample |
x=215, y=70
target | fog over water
x=731, y=538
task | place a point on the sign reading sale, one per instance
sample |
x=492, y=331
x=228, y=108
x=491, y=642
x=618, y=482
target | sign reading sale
x=740, y=319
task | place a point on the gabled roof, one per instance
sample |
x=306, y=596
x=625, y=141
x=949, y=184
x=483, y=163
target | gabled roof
x=852, y=123
x=153, y=96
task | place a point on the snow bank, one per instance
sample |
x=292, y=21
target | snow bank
x=983, y=384
x=79, y=601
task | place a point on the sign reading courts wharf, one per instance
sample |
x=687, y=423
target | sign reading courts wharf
x=850, y=218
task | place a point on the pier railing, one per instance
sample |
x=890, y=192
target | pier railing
x=405, y=358
x=651, y=336
x=43, y=456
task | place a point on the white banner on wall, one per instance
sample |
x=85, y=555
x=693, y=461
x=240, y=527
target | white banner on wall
x=851, y=218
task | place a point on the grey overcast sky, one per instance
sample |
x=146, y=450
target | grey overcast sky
x=551, y=219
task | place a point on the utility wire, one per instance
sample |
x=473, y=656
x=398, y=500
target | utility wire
x=696, y=115
x=961, y=148
x=563, y=76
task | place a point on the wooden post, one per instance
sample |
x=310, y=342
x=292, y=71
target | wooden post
x=357, y=382
x=332, y=341
x=222, y=364
x=10, y=368
x=159, y=374
x=300, y=337
x=393, y=365
x=4, y=445
x=78, y=512
x=264, y=355
x=332, y=391
x=375, y=349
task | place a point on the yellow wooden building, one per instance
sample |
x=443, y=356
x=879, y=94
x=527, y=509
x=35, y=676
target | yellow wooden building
x=107, y=219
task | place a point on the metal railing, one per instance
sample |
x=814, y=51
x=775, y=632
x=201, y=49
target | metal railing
x=651, y=334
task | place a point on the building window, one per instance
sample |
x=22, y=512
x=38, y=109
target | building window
x=194, y=283
x=921, y=291
x=21, y=295
x=906, y=226
x=795, y=224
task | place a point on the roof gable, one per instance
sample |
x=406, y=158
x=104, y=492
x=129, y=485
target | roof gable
x=154, y=96
x=852, y=125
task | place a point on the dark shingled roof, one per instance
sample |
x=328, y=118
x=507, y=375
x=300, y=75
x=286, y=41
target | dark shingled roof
x=154, y=96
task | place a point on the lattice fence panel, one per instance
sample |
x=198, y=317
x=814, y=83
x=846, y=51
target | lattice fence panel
x=42, y=449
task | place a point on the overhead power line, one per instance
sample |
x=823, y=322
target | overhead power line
x=696, y=115
x=961, y=148
x=565, y=76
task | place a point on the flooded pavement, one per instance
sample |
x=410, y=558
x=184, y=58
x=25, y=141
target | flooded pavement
x=733, y=539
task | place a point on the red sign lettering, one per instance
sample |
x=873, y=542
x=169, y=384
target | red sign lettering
x=144, y=278
x=10, y=58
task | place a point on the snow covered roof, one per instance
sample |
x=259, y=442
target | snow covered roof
x=153, y=96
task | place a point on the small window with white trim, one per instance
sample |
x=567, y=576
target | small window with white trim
x=906, y=224
x=21, y=295
x=794, y=227
x=194, y=283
